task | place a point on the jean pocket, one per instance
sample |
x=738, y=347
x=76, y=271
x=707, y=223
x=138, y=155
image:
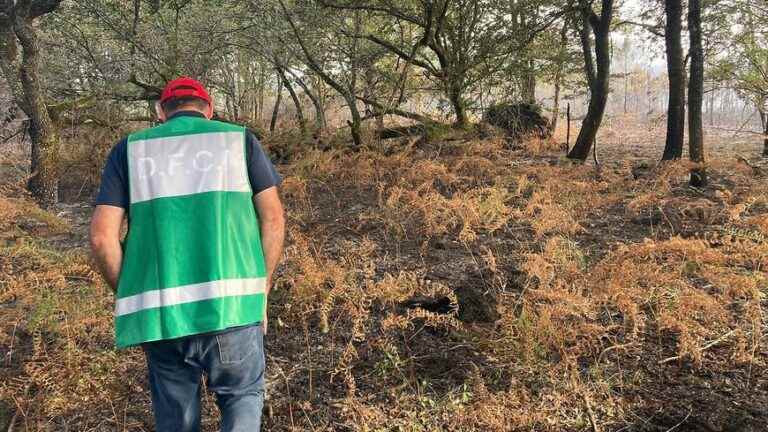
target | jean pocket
x=237, y=345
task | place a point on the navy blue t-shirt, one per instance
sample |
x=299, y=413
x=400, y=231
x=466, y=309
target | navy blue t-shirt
x=114, y=181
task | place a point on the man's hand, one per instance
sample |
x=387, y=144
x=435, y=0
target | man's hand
x=265, y=322
x=272, y=229
x=105, y=242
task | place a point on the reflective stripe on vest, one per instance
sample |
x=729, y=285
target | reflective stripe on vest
x=193, y=261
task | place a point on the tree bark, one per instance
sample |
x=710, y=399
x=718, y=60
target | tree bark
x=355, y=125
x=764, y=123
x=696, y=96
x=276, y=108
x=598, y=74
x=369, y=93
x=626, y=76
x=529, y=84
x=152, y=113
x=673, y=148
x=556, y=103
x=458, y=104
x=765, y=142
x=25, y=83
x=259, y=114
x=9, y=60
x=559, y=73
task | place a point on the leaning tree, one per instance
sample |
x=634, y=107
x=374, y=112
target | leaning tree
x=597, y=68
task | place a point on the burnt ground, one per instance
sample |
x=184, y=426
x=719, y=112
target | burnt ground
x=412, y=379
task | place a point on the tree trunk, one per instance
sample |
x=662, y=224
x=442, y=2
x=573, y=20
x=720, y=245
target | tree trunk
x=648, y=98
x=764, y=122
x=355, y=124
x=276, y=109
x=597, y=75
x=9, y=61
x=260, y=100
x=626, y=91
x=369, y=94
x=673, y=149
x=626, y=75
x=44, y=182
x=319, y=109
x=556, y=103
x=590, y=125
x=696, y=96
x=528, y=92
x=765, y=141
x=231, y=93
x=320, y=121
x=229, y=105
x=296, y=102
x=351, y=94
x=152, y=113
x=459, y=108
x=567, y=127
x=559, y=74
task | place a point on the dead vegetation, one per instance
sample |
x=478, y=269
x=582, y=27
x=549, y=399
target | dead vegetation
x=447, y=285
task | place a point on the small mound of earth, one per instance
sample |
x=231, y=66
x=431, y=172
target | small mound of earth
x=518, y=120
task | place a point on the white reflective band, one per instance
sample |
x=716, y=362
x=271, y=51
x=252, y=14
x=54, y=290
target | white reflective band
x=188, y=294
x=187, y=164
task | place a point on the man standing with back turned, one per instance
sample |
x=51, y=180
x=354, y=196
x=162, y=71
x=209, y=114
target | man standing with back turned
x=205, y=233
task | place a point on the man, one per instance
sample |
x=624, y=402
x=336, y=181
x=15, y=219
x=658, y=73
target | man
x=205, y=233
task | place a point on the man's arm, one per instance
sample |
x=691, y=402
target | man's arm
x=272, y=228
x=105, y=242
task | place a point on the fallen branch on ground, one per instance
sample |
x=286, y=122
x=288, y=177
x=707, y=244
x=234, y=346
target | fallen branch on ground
x=736, y=130
x=402, y=131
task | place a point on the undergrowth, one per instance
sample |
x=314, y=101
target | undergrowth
x=599, y=285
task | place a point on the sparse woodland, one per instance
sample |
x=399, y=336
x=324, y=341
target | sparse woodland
x=504, y=215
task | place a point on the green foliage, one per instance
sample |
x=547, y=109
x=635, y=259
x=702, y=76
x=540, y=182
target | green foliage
x=744, y=63
x=386, y=54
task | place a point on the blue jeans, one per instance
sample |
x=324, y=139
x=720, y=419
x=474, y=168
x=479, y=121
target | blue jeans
x=233, y=360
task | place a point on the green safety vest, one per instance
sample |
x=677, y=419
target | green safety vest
x=193, y=260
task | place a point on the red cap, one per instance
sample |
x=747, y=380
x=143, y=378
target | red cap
x=184, y=87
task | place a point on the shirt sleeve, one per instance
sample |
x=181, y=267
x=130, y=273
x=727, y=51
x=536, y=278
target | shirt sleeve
x=261, y=172
x=114, y=180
